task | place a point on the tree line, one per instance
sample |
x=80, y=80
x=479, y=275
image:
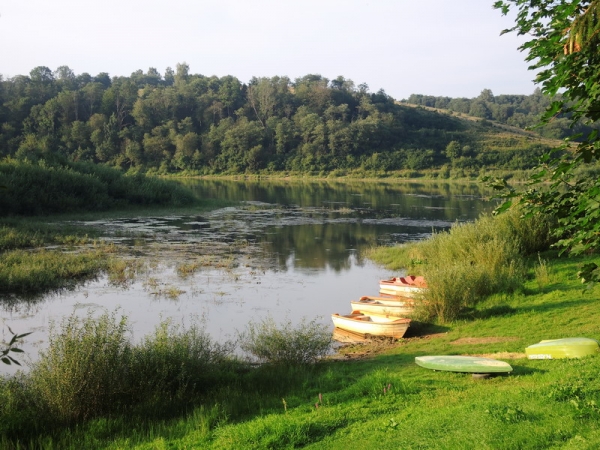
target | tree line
x=522, y=111
x=179, y=121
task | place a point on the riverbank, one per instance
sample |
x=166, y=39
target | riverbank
x=386, y=401
x=445, y=174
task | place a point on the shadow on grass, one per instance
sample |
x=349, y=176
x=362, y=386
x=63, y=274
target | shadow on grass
x=521, y=370
x=507, y=310
x=550, y=306
x=423, y=329
x=494, y=311
x=551, y=287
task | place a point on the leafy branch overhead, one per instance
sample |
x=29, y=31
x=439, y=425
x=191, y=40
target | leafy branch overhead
x=563, y=47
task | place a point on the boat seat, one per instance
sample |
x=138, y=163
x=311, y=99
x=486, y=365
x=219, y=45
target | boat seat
x=420, y=281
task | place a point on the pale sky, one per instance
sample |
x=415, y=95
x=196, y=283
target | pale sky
x=435, y=47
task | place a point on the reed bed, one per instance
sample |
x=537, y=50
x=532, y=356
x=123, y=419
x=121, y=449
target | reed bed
x=43, y=188
x=33, y=272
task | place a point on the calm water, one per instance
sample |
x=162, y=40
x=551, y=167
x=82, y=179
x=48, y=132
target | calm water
x=289, y=250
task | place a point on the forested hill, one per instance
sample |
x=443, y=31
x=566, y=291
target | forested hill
x=520, y=111
x=199, y=124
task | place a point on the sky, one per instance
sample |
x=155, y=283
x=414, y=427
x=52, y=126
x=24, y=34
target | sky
x=436, y=47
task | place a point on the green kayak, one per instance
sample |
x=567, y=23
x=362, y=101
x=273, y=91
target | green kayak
x=468, y=364
x=562, y=348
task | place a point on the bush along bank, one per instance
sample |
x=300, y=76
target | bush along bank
x=470, y=261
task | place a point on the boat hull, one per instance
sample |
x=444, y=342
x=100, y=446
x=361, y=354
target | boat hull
x=412, y=285
x=466, y=364
x=399, y=290
x=371, y=324
x=383, y=305
x=563, y=348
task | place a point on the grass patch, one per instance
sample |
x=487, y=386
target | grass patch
x=18, y=233
x=26, y=273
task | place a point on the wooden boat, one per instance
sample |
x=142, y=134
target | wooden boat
x=371, y=324
x=467, y=364
x=399, y=285
x=398, y=306
x=577, y=347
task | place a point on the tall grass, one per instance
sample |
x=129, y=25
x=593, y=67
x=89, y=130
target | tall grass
x=470, y=261
x=40, y=188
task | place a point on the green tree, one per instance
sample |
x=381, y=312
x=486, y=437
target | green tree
x=262, y=97
x=119, y=100
x=92, y=98
x=157, y=147
x=563, y=43
x=230, y=93
x=186, y=146
x=453, y=150
x=241, y=147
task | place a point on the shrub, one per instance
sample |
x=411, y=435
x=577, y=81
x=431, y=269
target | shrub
x=91, y=368
x=175, y=361
x=534, y=233
x=84, y=371
x=15, y=405
x=287, y=345
x=471, y=261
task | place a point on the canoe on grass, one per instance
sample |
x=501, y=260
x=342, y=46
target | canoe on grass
x=410, y=284
x=562, y=348
x=371, y=324
x=467, y=364
x=398, y=307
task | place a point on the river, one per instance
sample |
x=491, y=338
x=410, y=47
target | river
x=288, y=250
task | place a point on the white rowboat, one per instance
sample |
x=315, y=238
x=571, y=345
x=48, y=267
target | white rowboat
x=398, y=285
x=371, y=324
x=398, y=307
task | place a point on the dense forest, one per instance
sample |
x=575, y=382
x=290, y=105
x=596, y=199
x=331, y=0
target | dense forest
x=178, y=122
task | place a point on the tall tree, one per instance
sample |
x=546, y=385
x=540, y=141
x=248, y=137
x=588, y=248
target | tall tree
x=564, y=38
x=262, y=97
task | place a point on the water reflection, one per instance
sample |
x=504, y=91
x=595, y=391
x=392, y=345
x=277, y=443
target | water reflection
x=431, y=201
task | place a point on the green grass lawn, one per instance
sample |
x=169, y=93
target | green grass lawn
x=386, y=401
